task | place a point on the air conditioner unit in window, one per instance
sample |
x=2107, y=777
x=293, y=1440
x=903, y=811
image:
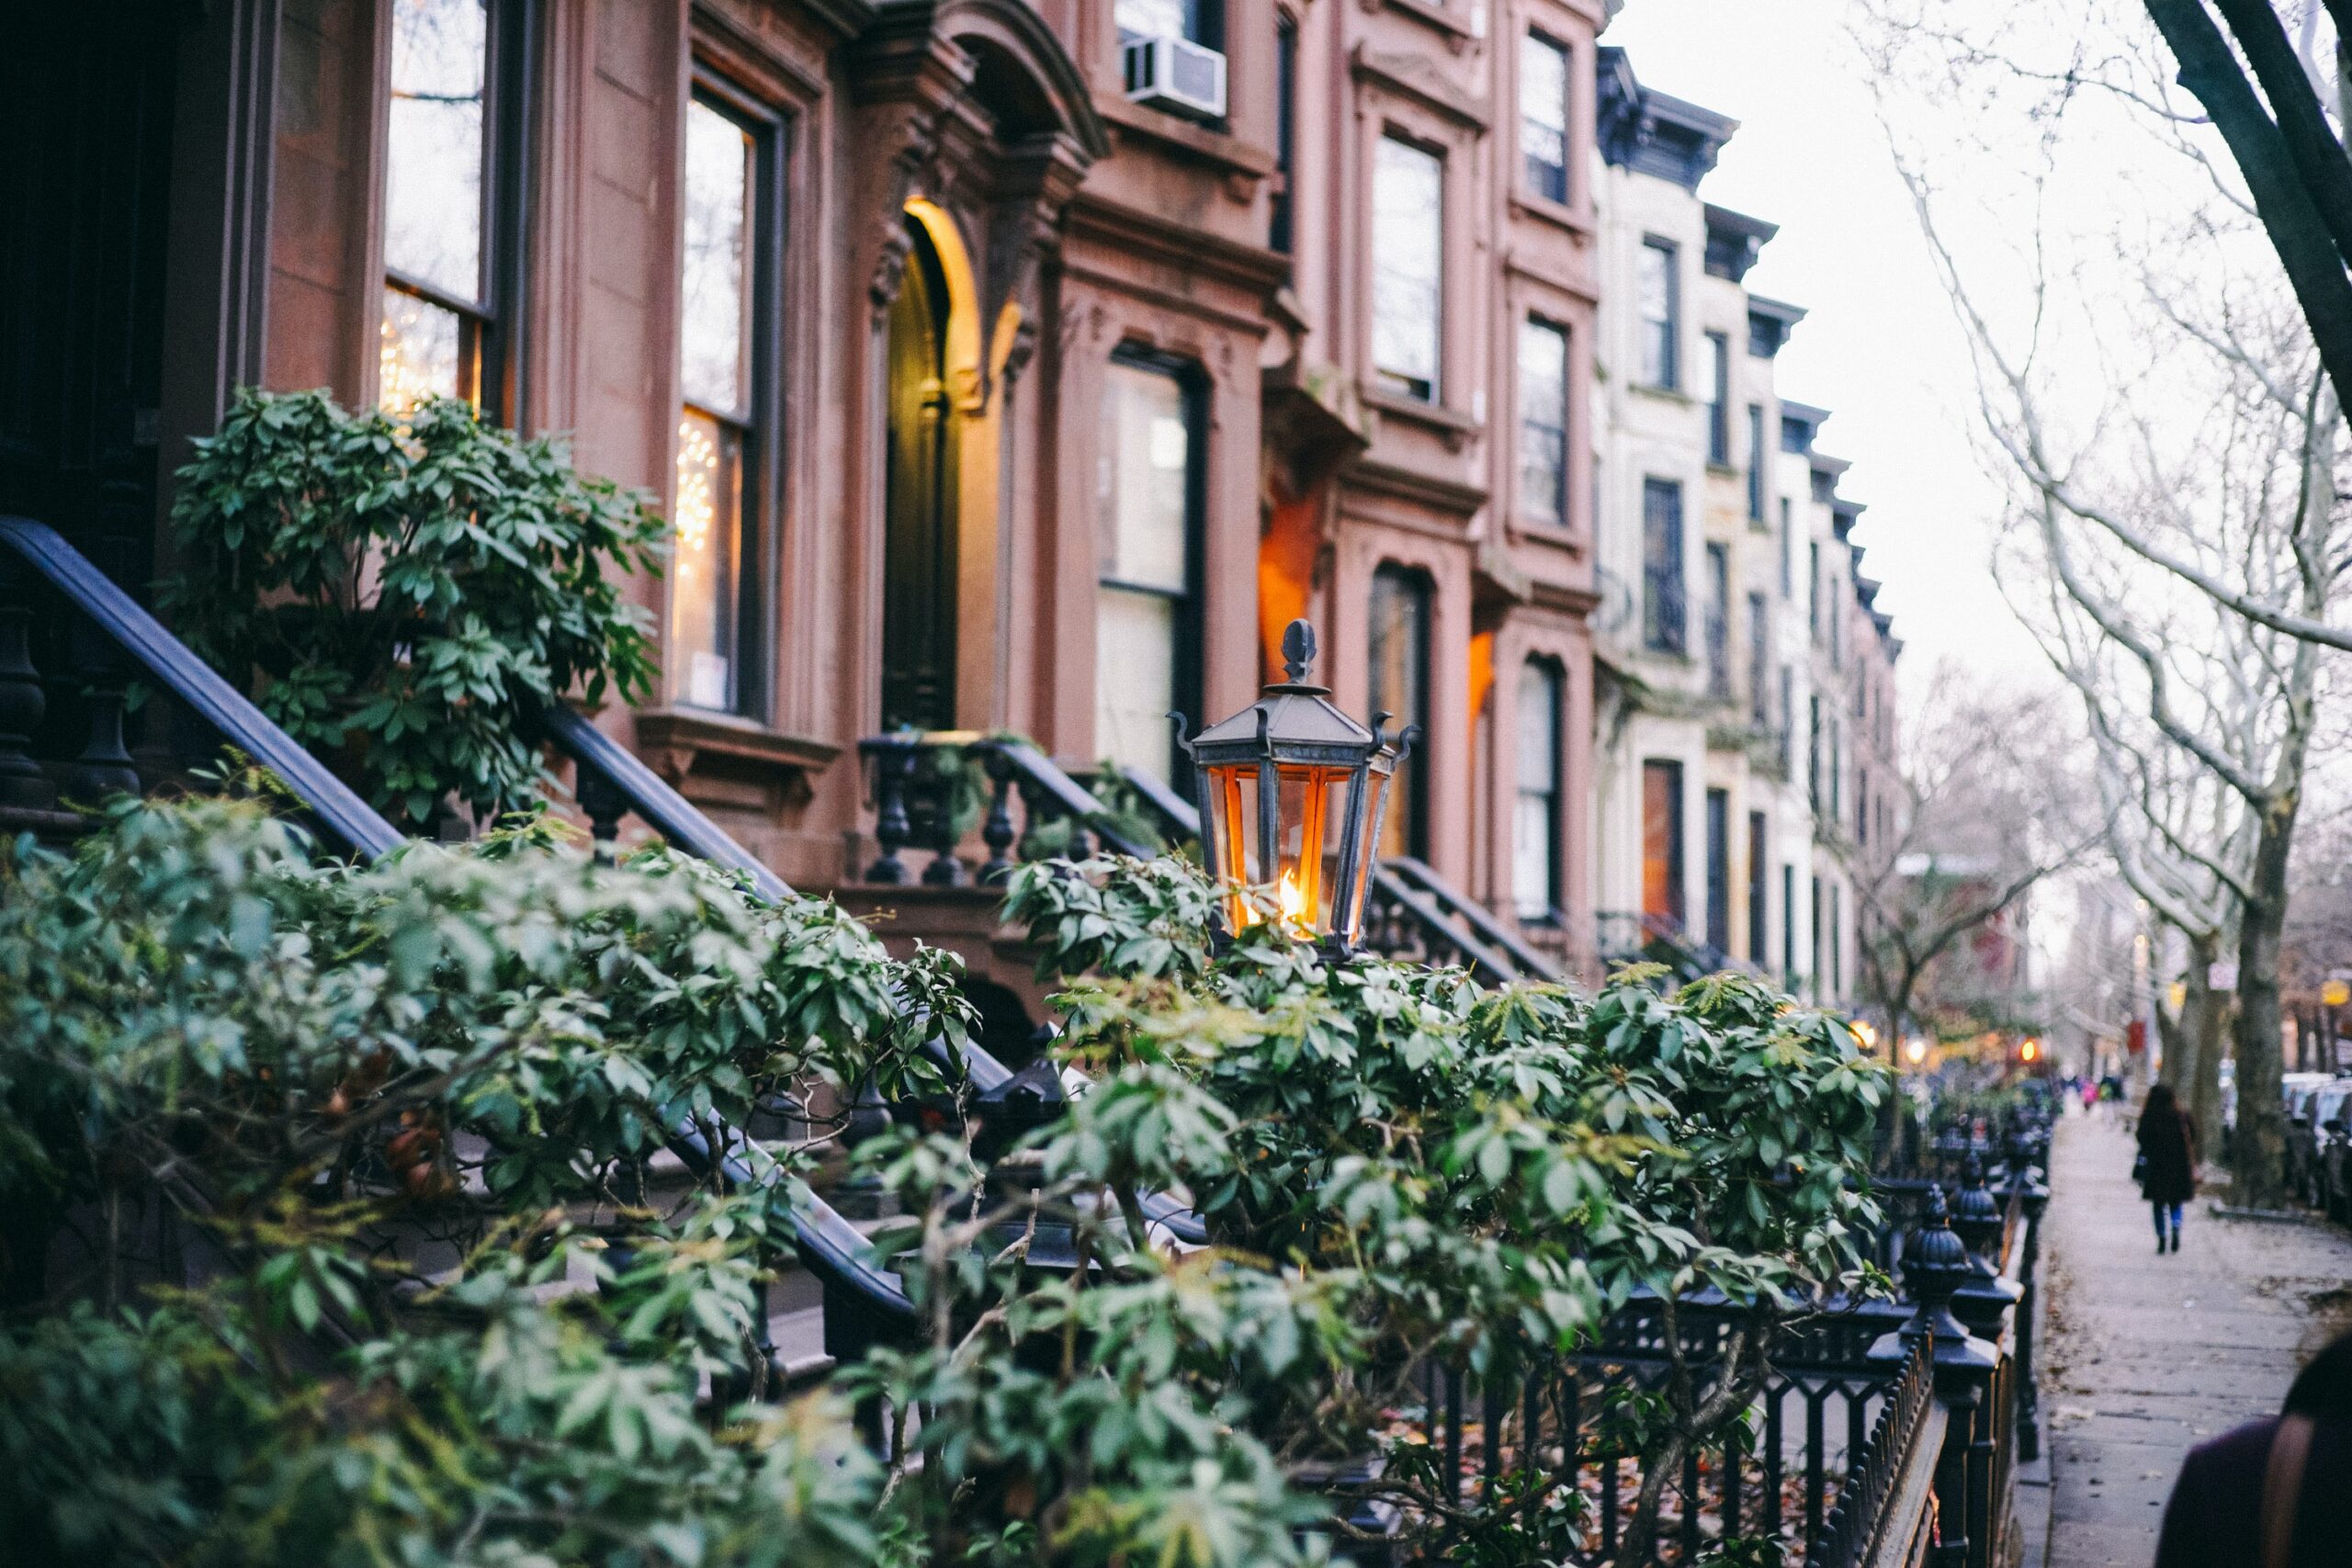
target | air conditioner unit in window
x=1176, y=73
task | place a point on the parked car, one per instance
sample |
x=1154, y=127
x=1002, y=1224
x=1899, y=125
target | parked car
x=2332, y=1130
x=2300, y=1171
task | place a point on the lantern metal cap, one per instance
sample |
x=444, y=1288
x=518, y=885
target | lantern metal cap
x=1296, y=711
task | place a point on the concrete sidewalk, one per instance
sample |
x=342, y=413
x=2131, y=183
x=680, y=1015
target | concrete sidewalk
x=2144, y=1357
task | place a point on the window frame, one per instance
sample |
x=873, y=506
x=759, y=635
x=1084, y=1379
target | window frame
x=490, y=329
x=1667, y=332
x=1665, y=616
x=1719, y=399
x=1390, y=383
x=1282, y=200
x=1207, y=27
x=1190, y=621
x=759, y=425
x=1759, y=874
x=1413, y=773
x=1553, y=676
x=1756, y=462
x=1536, y=37
x=1555, y=515
x=1715, y=617
x=1716, y=812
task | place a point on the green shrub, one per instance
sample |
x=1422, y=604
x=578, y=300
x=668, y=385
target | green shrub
x=408, y=591
x=388, y=1111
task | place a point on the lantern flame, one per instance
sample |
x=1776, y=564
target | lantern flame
x=1291, y=898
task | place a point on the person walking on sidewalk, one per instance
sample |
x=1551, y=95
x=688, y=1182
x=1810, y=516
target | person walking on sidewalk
x=2269, y=1493
x=2166, y=1167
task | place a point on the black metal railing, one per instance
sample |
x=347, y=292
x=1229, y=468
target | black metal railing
x=112, y=640
x=919, y=779
x=1825, y=1419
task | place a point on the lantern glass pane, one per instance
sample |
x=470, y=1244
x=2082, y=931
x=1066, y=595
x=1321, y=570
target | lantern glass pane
x=1375, y=801
x=1314, y=808
x=1233, y=798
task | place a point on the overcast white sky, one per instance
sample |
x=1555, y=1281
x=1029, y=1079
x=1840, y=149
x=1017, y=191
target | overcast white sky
x=1880, y=349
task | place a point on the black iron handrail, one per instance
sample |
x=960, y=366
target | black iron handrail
x=175, y=666
x=640, y=789
x=1531, y=963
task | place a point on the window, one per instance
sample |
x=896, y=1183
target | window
x=1862, y=806
x=1147, y=537
x=1535, y=836
x=1837, y=940
x=1544, y=116
x=1756, y=462
x=1788, y=720
x=1755, y=846
x=1760, y=661
x=1816, y=939
x=1400, y=685
x=1788, y=552
x=1544, y=422
x=1657, y=291
x=1408, y=267
x=1201, y=21
x=726, y=356
x=1789, y=927
x=1812, y=590
x=1837, y=766
x=1662, y=606
x=1718, y=399
x=1719, y=870
x=1278, y=206
x=452, y=196
x=1813, y=755
x=1718, y=622
x=1662, y=841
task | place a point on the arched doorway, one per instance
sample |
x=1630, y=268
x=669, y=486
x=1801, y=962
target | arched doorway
x=919, y=536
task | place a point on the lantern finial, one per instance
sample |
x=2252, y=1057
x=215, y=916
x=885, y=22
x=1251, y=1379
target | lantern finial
x=1298, y=650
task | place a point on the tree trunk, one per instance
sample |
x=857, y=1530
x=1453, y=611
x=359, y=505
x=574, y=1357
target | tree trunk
x=2179, y=1046
x=2203, y=1023
x=2262, y=1120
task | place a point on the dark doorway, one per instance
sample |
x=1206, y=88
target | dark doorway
x=919, y=536
x=85, y=123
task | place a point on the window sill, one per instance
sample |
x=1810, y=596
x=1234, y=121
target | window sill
x=1722, y=470
x=686, y=737
x=1440, y=18
x=1535, y=531
x=1546, y=210
x=1192, y=138
x=1452, y=423
x=1664, y=394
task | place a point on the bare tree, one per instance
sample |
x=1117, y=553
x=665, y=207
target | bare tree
x=1987, y=816
x=2169, y=431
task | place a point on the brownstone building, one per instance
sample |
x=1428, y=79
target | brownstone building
x=1002, y=366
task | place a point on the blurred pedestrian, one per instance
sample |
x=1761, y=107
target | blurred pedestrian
x=2268, y=1494
x=2167, y=1168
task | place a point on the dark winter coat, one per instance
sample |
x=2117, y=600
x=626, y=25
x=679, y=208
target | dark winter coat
x=2169, y=1144
x=2214, y=1519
